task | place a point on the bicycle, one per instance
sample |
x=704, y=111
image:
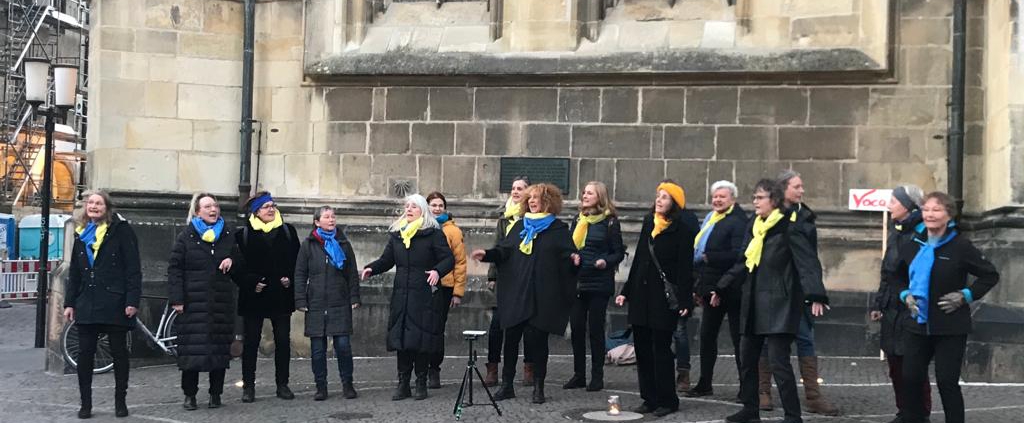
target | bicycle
x=164, y=338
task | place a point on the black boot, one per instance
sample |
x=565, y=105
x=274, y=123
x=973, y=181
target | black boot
x=507, y=390
x=576, y=381
x=434, y=379
x=284, y=393
x=402, y=391
x=190, y=403
x=348, y=390
x=538, y=389
x=321, y=391
x=120, y=405
x=248, y=393
x=420, y=393
x=744, y=416
x=214, y=401
x=85, y=411
x=596, y=379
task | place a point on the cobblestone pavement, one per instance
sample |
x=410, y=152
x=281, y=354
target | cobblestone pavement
x=27, y=394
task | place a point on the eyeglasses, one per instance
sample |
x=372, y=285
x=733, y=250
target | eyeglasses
x=268, y=206
x=759, y=197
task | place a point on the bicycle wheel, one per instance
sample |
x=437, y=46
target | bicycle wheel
x=104, y=361
x=170, y=335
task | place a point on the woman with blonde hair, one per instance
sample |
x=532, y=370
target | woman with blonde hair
x=103, y=292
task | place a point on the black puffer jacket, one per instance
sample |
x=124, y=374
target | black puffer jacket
x=326, y=291
x=207, y=326
x=604, y=242
x=413, y=324
x=100, y=293
x=725, y=246
x=887, y=299
x=269, y=256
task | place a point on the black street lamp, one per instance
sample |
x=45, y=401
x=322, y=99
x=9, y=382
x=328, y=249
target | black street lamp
x=37, y=93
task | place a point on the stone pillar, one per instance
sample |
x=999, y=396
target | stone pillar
x=540, y=25
x=358, y=16
x=591, y=15
x=495, y=8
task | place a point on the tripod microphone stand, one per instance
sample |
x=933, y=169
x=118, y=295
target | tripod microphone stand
x=465, y=398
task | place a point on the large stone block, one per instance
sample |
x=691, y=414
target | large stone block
x=184, y=15
x=349, y=103
x=779, y=106
x=692, y=175
x=928, y=65
x=119, y=13
x=503, y=139
x=747, y=143
x=516, y=104
x=330, y=175
x=290, y=137
x=387, y=165
x=904, y=106
x=611, y=141
x=430, y=172
x=118, y=39
x=451, y=103
x=210, y=172
x=156, y=42
x=819, y=8
x=839, y=106
x=278, y=73
x=579, y=104
x=123, y=97
x=209, y=102
x=916, y=32
x=406, y=104
x=457, y=180
x=548, y=140
x=821, y=184
x=433, y=138
x=865, y=175
x=161, y=99
x=602, y=170
x=541, y=36
x=224, y=17
x=158, y=134
x=132, y=170
x=663, y=105
x=389, y=138
x=689, y=142
x=723, y=171
x=892, y=145
x=635, y=180
x=133, y=66
x=925, y=9
x=355, y=174
x=826, y=31
x=190, y=70
x=302, y=173
x=711, y=105
x=488, y=171
x=643, y=36
x=817, y=143
x=469, y=138
x=279, y=49
x=290, y=104
x=619, y=105
x=685, y=34
x=215, y=137
x=270, y=175
x=342, y=137
x=763, y=32
x=748, y=173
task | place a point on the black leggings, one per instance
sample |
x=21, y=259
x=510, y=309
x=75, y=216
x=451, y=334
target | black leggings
x=588, y=313
x=441, y=301
x=282, y=347
x=948, y=353
x=535, y=350
x=710, y=325
x=88, y=337
x=190, y=382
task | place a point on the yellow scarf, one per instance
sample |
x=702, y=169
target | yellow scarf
x=761, y=227
x=101, y=231
x=715, y=217
x=512, y=209
x=409, y=230
x=660, y=223
x=579, y=235
x=259, y=225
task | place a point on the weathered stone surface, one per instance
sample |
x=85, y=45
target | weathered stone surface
x=925, y=8
x=278, y=73
x=663, y=105
x=602, y=170
x=658, y=142
x=924, y=31
x=579, y=104
x=866, y=175
x=827, y=31
x=224, y=17
x=290, y=104
x=271, y=173
x=161, y=99
x=120, y=13
x=387, y=165
x=763, y=32
x=134, y=66
x=330, y=175
x=379, y=103
x=451, y=104
x=839, y=106
x=473, y=38
x=503, y=139
x=290, y=138
x=692, y=175
x=779, y=106
x=348, y=103
x=433, y=138
x=190, y=70
x=209, y=102
x=156, y=42
x=891, y=145
x=821, y=184
x=819, y=8
x=904, y=106
x=458, y=179
x=343, y=137
x=719, y=34
x=685, y=34
x=711, y=105
x=210, y=172
x=214, y=136
x=430, y=172
x=748, y=173
x=607, y=141
x=619, y=105
x=516, y=104
x=389, y=138
x=635, y=180
x=689, y=142
x=210, y=46
x=723, y=171
x=118, y=39
x=158, y=134
x=549, y=140
x=185, y=15
x=469, y=138
x=643, y=36
x=406, y=104
x=817, y=143
x=488, y=171
x=302, y=173
x=928, y=65
x=747, y=143
x=355, y=174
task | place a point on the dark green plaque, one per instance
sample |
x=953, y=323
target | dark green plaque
x=554, y=171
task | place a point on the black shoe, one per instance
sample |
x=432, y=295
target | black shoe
x=284, y=393
x=576, y=381
x=190, y=403
x=348, y=390
x=420, y=392
x=698, y=391
x=596, y=384
x=402, y=391
x=664, y=411
x=538, y=390
x=321, y=391
x=744, y=416
x=120, y=407
x=643, y=409
x=898, y=419
x=85, y=411
x=248, y=393
x=214, y=401
x=434, y=379
x=506, y=391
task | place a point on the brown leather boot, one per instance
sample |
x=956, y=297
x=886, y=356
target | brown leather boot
x=764, y=385
x=491, y=378
x=527, y=374
x=682, y=380
x=816, y=403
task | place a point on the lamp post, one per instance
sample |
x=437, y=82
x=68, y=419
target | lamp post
x=37, y=92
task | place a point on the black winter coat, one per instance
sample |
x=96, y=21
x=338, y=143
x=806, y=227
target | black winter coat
x=776, y=294
x=540, y=287
x=413, y=324
x=499, y=234
x=268, y=257
x=604, y=242
x=100, y=293
x=207, y=326
x=644, y=289
x=887, y=299
x=725, y=246
x=953, y=262
x=326, y=291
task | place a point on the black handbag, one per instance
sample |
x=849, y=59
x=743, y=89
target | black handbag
x=670, y=292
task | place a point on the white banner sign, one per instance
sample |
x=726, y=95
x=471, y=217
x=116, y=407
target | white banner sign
x=870, y=199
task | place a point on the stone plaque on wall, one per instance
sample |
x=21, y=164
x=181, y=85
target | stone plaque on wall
x=550, y=170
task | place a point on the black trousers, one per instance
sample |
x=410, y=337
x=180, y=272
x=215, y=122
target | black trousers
x=190, y=382
x=655, y=367
x=409, y=360
x=948, y=353
x=588, y=314
x=88, y=337
x=710, y=326
x=441, y=300
x=495, y=338
x=535, y=350
x=282, y=347
x=778, y=358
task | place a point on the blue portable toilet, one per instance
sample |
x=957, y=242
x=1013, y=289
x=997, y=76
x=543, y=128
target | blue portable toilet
x=28, y=236
x=7, y=229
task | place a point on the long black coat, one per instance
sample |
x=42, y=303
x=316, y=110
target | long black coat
x=953, y=262
x=887, y=299
x=268, y=257
x=776, y=293
x=725, y=246
x=499, y=234
x=644, y=288
x=207, y=326
x=413, y=324
x=100, y=293
x=539, y=287
x=604, y=242
x=326, y=291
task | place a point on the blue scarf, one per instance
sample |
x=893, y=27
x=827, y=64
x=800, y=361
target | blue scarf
x=703, y=242
x=921, y=272
x=443, y=218
x=531, y=228
x=88, y=237
x=200, y=225
x=332, y=247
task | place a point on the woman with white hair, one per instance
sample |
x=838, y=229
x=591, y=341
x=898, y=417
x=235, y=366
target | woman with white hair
x=419, y=251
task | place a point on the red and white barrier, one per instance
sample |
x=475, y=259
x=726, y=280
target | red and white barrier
x=18, y=278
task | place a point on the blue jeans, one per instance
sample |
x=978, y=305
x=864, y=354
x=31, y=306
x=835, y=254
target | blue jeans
x=682, y=343
x=343, y=352
x=804, y=338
